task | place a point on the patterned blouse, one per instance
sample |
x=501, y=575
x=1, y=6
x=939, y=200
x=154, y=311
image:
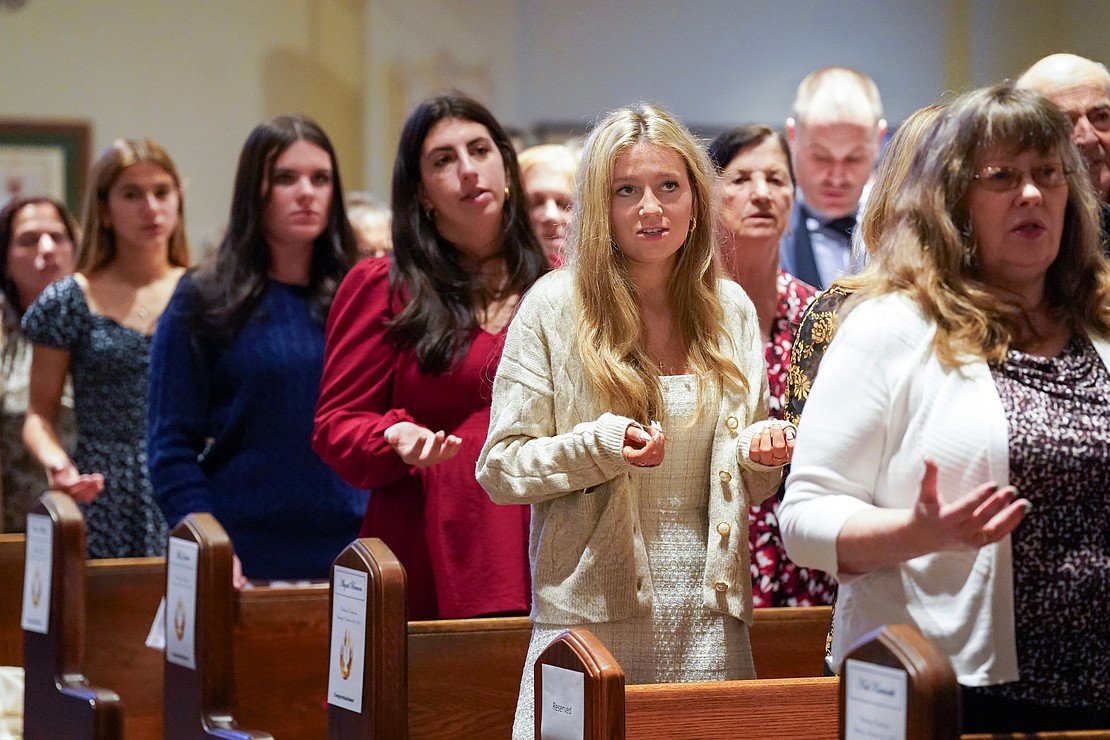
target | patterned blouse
x=775, y=580
x=815, y=331
x=1058, y=413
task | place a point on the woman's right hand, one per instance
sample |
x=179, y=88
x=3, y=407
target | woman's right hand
x=877, y=537
x=238, y=580
x=644, y=447
x=976, y=519
x=64, y=476
x=421, y=447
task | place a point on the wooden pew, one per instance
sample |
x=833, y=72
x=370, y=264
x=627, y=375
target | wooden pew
x=895, y=682
x=367, y=686
x=197, y=682
x=281, y=642
x=489, y=654
x=11, y=598
x=774, y=709
x=58, y=701
x=810, y=708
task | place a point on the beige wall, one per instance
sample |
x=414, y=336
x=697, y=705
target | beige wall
x=195, y=75
x=198, y=74
x=416, y=48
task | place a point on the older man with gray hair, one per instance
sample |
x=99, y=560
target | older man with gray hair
x=834, y=136
x=1081, y=88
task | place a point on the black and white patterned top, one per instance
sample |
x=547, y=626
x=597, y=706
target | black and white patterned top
x=108, y=363
x=1058, y=411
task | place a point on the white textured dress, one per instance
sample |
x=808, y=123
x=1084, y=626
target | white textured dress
x=681, y=640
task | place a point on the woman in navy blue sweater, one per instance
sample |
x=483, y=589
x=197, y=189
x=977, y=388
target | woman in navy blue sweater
x=237, y=358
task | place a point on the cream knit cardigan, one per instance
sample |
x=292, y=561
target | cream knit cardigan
x=551, y=445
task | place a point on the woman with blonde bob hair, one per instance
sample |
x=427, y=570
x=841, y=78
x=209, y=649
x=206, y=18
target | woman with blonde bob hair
x=96, y=325
x=639, y=333
x=972, y=366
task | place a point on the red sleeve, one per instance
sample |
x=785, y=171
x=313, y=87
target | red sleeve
x=356, y=390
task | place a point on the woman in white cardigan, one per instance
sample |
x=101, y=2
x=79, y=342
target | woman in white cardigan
x=630, y=410
x=953, y=461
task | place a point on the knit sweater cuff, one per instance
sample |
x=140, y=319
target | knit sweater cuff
x=610, y=436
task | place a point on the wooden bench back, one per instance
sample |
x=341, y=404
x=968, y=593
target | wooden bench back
x=57, y=698
x=367, y=686
x=763, y=708
x=281, y=653
x=197, y=701
x=896, y=669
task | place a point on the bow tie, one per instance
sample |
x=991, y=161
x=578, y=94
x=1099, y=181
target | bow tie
x=843, y=225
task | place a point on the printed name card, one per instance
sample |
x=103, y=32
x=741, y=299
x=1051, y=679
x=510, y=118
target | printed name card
x=564, y=704
x=348, y=634
x=875, y=702
x=37, y=572
x=181, y=602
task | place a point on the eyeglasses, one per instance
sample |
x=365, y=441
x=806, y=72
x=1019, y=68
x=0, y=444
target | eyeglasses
x=30, y=240
x=1004, y=179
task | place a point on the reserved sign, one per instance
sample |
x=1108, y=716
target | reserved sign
x=564, y=704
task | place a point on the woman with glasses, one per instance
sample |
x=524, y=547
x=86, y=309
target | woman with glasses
x=952, y=466
x=37, y=237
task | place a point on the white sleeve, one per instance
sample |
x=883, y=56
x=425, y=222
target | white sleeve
x=842, y=444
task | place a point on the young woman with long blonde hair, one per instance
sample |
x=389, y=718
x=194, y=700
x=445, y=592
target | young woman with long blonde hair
x=637, y=533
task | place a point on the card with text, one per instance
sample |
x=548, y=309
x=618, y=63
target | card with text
x=182, y=561
x=564, y=704
x=875, y=701
x=348, y=634
x=37, y=570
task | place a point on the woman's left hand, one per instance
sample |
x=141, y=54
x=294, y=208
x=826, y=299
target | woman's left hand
x=774, y=445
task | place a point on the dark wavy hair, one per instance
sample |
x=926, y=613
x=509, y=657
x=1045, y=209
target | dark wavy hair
x=232, y=280
x=739, y=139
x=10, y=309
x=439, y=313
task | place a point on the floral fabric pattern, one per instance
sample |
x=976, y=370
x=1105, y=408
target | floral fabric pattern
x=776, y=581
x=108, y=366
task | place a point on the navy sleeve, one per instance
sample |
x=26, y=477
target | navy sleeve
x=179, y=405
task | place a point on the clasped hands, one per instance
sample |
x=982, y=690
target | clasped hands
x=645, y=446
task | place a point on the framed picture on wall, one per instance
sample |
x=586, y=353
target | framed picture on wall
x=42, y=157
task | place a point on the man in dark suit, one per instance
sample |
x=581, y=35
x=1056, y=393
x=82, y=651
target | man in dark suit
x=834, y=136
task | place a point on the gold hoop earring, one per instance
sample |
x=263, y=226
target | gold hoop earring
x=693, y=224
x=506, y=191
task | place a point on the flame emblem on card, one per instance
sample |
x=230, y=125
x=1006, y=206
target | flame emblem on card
x=346, y=655
x=179, y=620
x=36, y=588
